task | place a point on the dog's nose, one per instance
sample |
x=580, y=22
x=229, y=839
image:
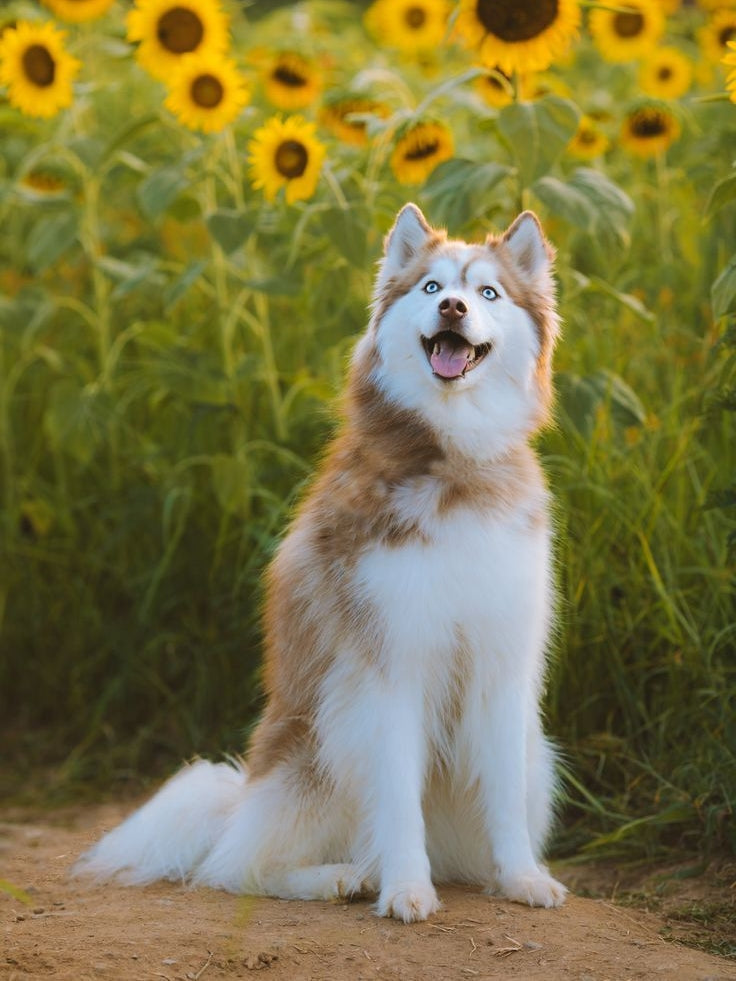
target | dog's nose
x=452, y=308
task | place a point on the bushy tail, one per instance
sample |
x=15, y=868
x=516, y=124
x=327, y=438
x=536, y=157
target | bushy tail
x=170, y=835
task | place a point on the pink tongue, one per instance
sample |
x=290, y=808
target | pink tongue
x=449, y=361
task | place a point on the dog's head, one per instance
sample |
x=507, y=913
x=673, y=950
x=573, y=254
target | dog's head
x=463, y=333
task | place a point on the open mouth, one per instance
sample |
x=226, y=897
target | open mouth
x=451, y=355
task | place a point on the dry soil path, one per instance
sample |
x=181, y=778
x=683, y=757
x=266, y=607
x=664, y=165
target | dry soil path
x=63, y=929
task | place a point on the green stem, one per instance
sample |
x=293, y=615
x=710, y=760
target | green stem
x=91, y=239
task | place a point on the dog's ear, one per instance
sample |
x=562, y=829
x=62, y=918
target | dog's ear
x=529, y=249
x=404, y=241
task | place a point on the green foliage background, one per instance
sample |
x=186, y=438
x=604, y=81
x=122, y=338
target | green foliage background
x=172, y=350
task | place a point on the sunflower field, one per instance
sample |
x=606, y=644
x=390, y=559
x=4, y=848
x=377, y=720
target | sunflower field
x=193, y=197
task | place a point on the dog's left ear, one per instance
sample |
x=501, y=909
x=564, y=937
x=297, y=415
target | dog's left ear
x=405, y=240
x=529, y=249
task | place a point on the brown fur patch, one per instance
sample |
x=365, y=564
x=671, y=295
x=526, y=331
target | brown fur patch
x=540, y=305
x=397, y=286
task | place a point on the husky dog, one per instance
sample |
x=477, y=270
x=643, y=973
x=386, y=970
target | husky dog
x=406, y=618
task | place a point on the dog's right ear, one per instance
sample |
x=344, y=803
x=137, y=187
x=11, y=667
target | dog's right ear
x=405, y=240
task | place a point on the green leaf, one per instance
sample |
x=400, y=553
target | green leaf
x=230, y=228
x=130, y=276
x=123, y=137
x=15, y=891
x=49, y=240
x=276, y=285
x=722, y=194
x=176, y=290
x=537, y=133
x=230, y=482
x=160, y=189
x=632, y=304
x=612, y=206
x=458, y=190
x=590, y=201
x=566, y=201
x=723, y=291
x=75, y=419
x=348, y=230
x=582, y=395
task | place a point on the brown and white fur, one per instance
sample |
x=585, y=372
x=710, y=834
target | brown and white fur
x=407, y=617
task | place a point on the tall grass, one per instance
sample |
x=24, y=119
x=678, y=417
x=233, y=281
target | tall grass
x=172, y=352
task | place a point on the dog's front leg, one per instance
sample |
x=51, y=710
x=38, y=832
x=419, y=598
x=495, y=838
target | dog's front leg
x=396, y=787
x=504, y=779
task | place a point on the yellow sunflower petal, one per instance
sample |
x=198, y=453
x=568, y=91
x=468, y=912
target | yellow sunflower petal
x=589, y=141
x=286, y=154
x=627, y=34
x=715, y=35
x=649, y=130
x=206, y=92
x=347, y=117
x=291, y=81
x=36, y=68
x=409, y=25
x=419, y=151
x=170, y=29
x=518, y=35
x=77, y=11
x=666, y=74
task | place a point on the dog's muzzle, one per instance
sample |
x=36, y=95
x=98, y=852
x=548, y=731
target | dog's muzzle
x=451, y=355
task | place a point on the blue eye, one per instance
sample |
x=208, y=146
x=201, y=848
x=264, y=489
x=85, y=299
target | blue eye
x=431, y=287
x=489, y=293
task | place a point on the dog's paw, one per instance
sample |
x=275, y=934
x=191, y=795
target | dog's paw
x=350, y=884
x=533, y=888
x=410, y=902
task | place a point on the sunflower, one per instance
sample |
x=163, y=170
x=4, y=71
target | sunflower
x=421, y=148
x=589, y=141
x=347, y=117
x=497, y=90
x=714, y=4
x=666, y=74
x=43, y=182
x=715, y=35
x=286, y=154
x=624, y=35
x=291, y=81
x=78, y=10
x=649, y=130
x=206, y=92
x=169, y=29
x=730, y=62
x=518, y=35
x=36, y=68
x=495, y=87
x=409, y=25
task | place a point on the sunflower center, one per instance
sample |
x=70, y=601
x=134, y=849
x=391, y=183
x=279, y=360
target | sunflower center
x=39, y=66
x=628, y=24
x=649, y=124
x=291, y=159
x=207, y=91
x=287, y=76
x=512, y=21
x=415, y=17
x=422, y=150
x=180, y=30
x=665, y=73
x=726, y=35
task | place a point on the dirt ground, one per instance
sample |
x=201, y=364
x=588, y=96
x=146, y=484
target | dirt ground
x=58, y=928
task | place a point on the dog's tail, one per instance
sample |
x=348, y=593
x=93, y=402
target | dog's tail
x=170, y=836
